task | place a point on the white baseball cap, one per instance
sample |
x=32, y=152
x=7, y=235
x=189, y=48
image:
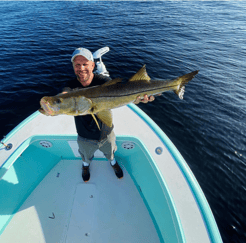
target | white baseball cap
x=82, y=52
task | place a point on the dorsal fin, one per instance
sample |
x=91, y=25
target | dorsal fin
x=141, y=75
x=113, y=81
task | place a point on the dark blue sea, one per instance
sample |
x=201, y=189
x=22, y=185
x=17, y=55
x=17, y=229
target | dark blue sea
x=172, y=38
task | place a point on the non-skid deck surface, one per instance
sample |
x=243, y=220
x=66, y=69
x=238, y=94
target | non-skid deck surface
x=65, y=209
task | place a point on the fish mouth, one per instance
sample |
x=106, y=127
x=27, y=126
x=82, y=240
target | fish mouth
x=48, y=108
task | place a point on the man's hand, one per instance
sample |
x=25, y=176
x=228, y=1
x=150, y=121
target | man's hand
x=145, y=100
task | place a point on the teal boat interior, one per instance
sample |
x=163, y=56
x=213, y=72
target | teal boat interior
x=37, y=156
x=43, y=197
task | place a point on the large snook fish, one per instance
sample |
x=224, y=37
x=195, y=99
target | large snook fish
x=99, y=100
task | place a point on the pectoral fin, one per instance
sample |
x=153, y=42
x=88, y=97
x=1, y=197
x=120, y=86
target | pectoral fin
x=95, y=120
x=106, y=117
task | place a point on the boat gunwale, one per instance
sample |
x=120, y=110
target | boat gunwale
x=199, y=196
x=18, y=127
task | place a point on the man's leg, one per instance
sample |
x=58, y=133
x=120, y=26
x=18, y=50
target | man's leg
x=87, y=149
x=108, y=148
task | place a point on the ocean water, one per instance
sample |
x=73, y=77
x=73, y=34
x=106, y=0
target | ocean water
x=171, y=38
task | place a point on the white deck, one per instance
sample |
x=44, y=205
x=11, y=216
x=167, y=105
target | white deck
x=185, y=202
x=105, y=209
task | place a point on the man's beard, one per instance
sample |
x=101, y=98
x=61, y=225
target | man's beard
x=87, y=77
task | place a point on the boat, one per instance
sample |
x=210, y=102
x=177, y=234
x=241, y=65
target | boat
x=44, y=199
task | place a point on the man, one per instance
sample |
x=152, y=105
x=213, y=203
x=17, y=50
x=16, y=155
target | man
x=90, y=138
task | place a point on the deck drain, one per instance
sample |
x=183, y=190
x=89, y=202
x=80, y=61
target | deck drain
x=128, y=145
x=45, y=144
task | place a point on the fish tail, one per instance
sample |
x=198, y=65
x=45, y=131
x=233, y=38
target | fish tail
x=182, y=81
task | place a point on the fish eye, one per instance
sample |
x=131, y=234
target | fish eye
x=58, y=101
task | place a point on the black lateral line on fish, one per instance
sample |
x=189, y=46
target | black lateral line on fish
x=137, y=92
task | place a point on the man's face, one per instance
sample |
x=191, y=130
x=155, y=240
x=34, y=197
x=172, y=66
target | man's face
x=83, y=69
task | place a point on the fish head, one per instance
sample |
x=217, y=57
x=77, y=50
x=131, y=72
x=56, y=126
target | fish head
x=64, y=104
x=51, y=105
